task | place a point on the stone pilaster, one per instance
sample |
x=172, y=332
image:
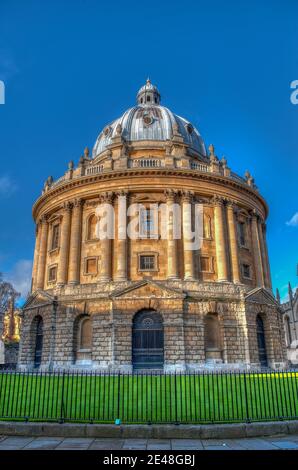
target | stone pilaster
x=233, y=243
x=171, y=241
x=75, y=242
x=220, y=240
x=265, y=258
x=257, y=251
x=186, y=219
x=106, y=245
x=121, y=254
x=42, y=257
x=36, y=256
x=64, y=245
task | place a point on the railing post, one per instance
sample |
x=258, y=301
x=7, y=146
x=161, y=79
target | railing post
x=248, y=420
x=61, y=420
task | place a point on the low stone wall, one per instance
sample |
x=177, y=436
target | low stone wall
x=212, y=431
x=11, y=352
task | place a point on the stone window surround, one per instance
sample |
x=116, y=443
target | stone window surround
x=79, y=333
x=85, y=265
x=55, y=223
x=209, y=218
x=50, y=267
x=87, y=239
x=243, y=219
x=148, y=253
x=250, y=271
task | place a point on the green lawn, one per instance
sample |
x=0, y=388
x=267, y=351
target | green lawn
x=164, y=398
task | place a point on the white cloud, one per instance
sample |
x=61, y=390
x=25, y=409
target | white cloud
x=20, y=276
x=293, y=222
x=7, y=186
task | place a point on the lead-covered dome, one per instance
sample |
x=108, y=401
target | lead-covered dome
x=148, y=120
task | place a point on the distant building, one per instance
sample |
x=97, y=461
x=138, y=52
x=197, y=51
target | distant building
x=290, y=319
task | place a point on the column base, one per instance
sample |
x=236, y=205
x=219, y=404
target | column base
x=73, y=283
x=105, y=279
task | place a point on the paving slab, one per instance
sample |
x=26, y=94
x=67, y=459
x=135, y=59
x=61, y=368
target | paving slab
x=159, y=444
x=286, y=444
x=75, y=443
x=256, y=444
x=186, y=444
x=136, y=444
x=106, y=444
x=43, y=443
x=216, y=448
x=232, y=444
x=15, y=442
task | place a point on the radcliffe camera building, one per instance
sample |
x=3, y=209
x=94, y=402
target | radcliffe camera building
x=151, y=301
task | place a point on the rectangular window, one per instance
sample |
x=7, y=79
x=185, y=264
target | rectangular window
x=146, y=223
x=205, y=264
x=147, y=262
x=55, y=236
x=52, y=273
x=91, y=266
x=246, y=271
x=241, y=232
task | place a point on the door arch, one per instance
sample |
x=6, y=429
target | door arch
x=38, y=341
x=261, y=342
x=147, y=340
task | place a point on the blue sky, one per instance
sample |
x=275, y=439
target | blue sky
x=70, y=67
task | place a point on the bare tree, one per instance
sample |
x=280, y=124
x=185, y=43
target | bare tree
x=7, y=293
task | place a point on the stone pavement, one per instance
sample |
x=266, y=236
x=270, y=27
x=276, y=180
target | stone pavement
x=281, y=442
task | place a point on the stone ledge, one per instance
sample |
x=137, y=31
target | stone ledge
x=164, y=431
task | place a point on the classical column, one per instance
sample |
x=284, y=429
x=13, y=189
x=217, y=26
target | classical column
x=267, y=256
x=264, y=253
x=36, y=255
x=171, y=241
x=257, y=250
x=187, y=225
x=106, y=245
x=233, y=242
x=220, y=240
x=42, y=257
x=64, y=245
x=75, y=242
x=121, y=245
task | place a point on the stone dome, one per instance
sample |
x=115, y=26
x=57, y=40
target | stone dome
x=148, y=120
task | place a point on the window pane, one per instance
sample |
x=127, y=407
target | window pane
x=55, y=237
x=86, y=334
x=205, y=263
x=147, y=262
x=91, y=266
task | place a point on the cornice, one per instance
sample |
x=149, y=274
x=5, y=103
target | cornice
x=178, y=173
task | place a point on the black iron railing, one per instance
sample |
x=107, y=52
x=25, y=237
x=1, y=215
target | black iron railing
x=149, y=397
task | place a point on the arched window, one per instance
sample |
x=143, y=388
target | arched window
x=38, y=340
x=207, y=226
x=212, y=337
x=288, y=330
x=91, y=227
x=83, y=339
x=261, y=342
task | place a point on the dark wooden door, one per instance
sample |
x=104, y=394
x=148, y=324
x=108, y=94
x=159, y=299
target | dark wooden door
x=38, y=343
x=261, y=342
x=147, y=341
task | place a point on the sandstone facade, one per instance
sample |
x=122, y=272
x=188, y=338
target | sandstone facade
x=213, y=305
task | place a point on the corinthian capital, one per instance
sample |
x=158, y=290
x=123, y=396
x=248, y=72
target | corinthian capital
x=170, y=194
x=187, y=196
x=218, y=200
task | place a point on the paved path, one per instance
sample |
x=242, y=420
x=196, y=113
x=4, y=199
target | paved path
x=289, y=442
